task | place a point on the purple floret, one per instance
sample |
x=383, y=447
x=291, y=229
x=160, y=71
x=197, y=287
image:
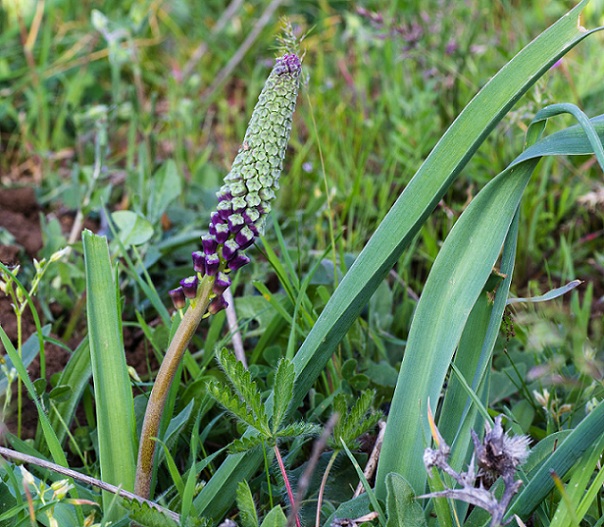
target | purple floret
x=212, y=264
x=245, y=237
x=199, y=262
x=178, y=298
x=189, y=286
x=222, y=282
x=238, y=261
x=209, y=244
x=217, y=304
x=229, y=249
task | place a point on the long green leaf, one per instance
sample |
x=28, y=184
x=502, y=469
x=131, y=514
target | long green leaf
x=455, y=282
x=400, y=225
x=76, y=375
x=581, y=490
x=112, y=391
x=587, y=433
x=53, y=443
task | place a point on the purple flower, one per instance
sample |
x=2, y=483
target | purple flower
x=199, y=262
x=217, y=304
x=189, y=286
x=221, y=283
x=178, y=298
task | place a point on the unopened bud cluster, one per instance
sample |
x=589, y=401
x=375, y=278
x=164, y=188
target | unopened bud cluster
x=244, y=200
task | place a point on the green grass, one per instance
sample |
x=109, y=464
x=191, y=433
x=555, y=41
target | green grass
x=108, y=111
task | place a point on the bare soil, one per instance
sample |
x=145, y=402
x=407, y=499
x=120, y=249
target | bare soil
x=20, y=216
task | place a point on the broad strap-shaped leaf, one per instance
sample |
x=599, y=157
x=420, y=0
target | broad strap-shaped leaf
x=457, y=277
x=112, y=391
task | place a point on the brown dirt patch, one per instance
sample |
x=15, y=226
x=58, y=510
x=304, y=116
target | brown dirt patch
x=20, y=216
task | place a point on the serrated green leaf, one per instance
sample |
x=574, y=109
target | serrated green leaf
x=355, y=421
x=146, y=515
x=246, y=505
x=241, y=380
x=298, y=430
x=245, y=444
x=233, y=404
x=283, y=390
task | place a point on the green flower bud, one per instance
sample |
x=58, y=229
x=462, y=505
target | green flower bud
x=245, y=198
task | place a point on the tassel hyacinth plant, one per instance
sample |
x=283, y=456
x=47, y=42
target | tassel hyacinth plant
x=243, y=204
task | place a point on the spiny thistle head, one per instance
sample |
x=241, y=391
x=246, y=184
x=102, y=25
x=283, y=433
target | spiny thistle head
x=244, y=200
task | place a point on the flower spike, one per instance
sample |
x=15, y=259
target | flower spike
x=244, y=198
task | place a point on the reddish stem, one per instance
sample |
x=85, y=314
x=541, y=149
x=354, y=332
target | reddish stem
x=288, y=487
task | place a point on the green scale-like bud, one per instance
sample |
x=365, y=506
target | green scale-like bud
x=259, y=162
x=249, y=188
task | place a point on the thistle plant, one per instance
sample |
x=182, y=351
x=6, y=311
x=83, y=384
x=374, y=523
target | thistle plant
x=244, y=202
x=498, y=455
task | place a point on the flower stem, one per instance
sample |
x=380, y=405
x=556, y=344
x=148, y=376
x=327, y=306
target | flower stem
x=288, y=487
x=159, y=394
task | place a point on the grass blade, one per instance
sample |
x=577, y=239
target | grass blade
x=112, y=391
x=76, y=375
x=53, y=443
x=588, y=432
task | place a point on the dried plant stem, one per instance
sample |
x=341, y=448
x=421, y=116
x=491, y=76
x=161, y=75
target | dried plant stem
x=373, y=459
x=330, y=463
x=25, y=458
x=163, y=382
x=220, y=24
x=233, y=324
x=224, y=73
x=304, y=481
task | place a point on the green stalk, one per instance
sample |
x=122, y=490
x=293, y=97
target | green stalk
x=163, y=382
